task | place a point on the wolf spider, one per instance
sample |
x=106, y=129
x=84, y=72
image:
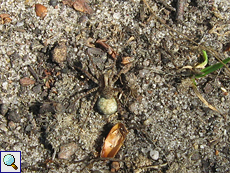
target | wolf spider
x=106, y=96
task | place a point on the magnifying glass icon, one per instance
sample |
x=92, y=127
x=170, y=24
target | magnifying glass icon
x=9, y=160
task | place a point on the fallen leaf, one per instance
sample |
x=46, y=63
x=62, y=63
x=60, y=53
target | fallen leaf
x=5, y=18
x=41, y=10
x=114, y=140
x=79, y=5
x=26, y=81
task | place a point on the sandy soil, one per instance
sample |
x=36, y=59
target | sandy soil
x=170, y=128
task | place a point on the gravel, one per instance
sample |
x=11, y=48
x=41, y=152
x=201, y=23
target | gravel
x=170, y=129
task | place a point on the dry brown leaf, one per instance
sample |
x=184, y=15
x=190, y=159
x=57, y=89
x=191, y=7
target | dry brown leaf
x=108, y=48
x=114, y=140
x=41, y=10
x=5, y=18
x=79, y=5
x=127, y=60
x=26, y=81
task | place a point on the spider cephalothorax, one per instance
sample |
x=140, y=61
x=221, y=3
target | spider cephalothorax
x=106, y=103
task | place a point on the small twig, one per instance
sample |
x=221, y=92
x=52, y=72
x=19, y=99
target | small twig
x=33, y=73
x=152, y=166
x=180, y=9
x=202, y=98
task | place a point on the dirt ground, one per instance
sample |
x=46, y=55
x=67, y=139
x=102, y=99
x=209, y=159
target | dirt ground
x=170, y=128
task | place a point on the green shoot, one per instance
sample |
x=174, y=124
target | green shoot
x=211, y=68
x=203, y=64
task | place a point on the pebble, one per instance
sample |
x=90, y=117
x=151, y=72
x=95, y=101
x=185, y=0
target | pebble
x=95, y=51
x=143, y=73
x=47, y=107
x=116, y=15
x=13, y=116
x=146, y=62
x=3, y=109
x=157, y=79
x=11, y=125
x=3, y=128
x=83, y=19
x=133, y=108
x=53, y=3
x=37, y=89
x=208, y=88
x=196, y=156
x=154, y=154
x=67, y=150
x=60, y=53
x=115, y=166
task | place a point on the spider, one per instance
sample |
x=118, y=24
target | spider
x=106, y=97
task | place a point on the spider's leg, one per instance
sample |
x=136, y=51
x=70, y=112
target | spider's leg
x=90, y=76
x=91, y=108
x=120, y=109
x=119, y=90
x=72, y=105
x=125, y=69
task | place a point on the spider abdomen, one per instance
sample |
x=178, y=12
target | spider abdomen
x=107, y=106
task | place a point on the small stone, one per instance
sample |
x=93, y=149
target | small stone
x=149, y=121
x=13, y=116
x=67, y=150
x=143, y=73
x=53, y=3
x=115, y=166
x=133, y=108
x=47, y=107
x=116, y=15
x=146, y=62
x=83, y=19
x=60, y=53
x=59, y=107
x=196, y=156
x=196, y=147
x=157, y=79
x=11, y=125
x=154, y=154
x=3, y=109
x=28, y=128
x=3, y=127
x=208, y=88
x=5, y=85
x=37, y=89
x=79, y=5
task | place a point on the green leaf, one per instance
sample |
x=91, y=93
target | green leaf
x=203, y=64
x=212, y=68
